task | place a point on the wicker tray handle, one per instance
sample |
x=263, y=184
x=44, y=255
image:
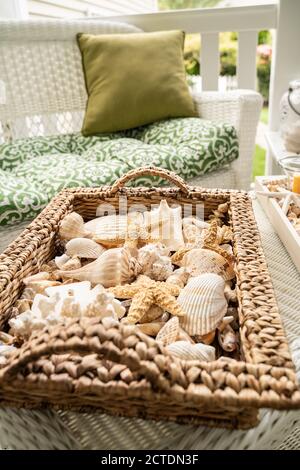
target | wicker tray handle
x=114, y=342
x=150, y=170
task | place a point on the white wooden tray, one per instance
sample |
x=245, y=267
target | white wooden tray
x=280, y=222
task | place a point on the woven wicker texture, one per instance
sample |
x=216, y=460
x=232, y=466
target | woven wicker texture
x=101, y=431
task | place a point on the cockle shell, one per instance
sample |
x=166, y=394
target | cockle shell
x=189, y=352
x=84, y=248
x=166, y=225
x=179, y=277
x=204, y=304
x=115, y=266
x=200, y=260
x=192, y=229
x=169, y=332
x=72, y=226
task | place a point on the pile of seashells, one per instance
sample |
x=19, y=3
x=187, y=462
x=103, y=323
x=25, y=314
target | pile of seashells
x=171, y=277
x=287, y=200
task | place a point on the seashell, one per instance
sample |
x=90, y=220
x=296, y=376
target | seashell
x=189, y=352
x=169, y=332
x=42, y=276
x=154, y=312
x=84, y=248
x=23, y=305
x=150, y=329
x=165, y=317
x=154, y=262
x=200, y=260
x=28, y=294
x=204, y=304
x=179, y=277
x=60, y=302
x=72, y=226
x=115, y=266
x=161, y=269
x=224, y=234
x=166, y=225
x=109, y=230
x=39, y=286
x=230, y=294
x=227, y=339
x=205, y=339
x=60, y=261
x=183, y=336
x=292, y=138
x=192, y=229
x=72, y=263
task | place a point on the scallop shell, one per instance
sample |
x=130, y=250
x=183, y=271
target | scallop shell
x=72, y=226
x=166, y=225
x=189, y=352
x=204, y=304
x=84, y=248
x=169, y=332
x=115, y=266
x=179, y=277
x=200, y=261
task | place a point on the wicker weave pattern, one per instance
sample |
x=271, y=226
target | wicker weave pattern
x=125, y=372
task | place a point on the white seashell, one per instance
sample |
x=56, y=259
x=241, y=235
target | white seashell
x=204, y=304
x=72, y=226
x=72, y=300
x=227, y=339
x=42, y=276
x=115, y=266
x=292, y=138
x=150, y=329
x=84, y=248
x=111, y=230
x=200, y=261
x=179, y=277
x=189, y=352
x=192, y=229
x=39, y=286
x=154, y=262
x=169, y=332
x=166, y=225
x=60, y=261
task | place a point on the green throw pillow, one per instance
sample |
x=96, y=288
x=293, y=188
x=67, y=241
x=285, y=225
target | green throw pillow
x=133, y=79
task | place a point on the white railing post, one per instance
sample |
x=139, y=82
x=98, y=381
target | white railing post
x=286, y=58
x=210, y=61
x=246, y=67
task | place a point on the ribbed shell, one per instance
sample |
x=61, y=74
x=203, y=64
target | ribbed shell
x=115, y=266
x=204, y=304
x=168, y=334
x=189, y=352
x=200, y=261
x=72, y=226
x=84, y=248
x=108, y=227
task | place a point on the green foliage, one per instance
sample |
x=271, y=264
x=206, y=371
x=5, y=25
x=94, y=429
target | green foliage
x=263, y=78
x=181, y=4
x=228, y=61
x=258, y=168
x=264, y=37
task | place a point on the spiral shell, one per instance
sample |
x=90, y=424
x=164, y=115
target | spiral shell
x=204, y=304
x=115, y=266
x=169, y=332
x=189, y=352
x=72, y=226
x=84, y=248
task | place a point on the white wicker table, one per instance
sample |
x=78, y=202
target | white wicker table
x=47, y=429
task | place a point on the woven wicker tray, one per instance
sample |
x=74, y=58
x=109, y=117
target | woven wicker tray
x=72, y=366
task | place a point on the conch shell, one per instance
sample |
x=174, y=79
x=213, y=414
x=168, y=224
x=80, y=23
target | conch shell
x=114, y=267
x=84, y=248
x=189, y=352
x=169, y=332
x=166, y=225
x=72, y=226
x=204, y=304
x=200, y=261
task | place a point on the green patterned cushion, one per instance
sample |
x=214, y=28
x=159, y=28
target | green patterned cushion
x=33, y=170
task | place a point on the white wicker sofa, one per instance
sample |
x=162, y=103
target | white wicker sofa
x=45, y=91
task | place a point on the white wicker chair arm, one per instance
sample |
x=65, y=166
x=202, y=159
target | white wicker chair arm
x=240, y=108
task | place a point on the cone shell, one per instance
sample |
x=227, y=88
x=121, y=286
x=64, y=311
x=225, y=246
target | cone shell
x=84, y=248
x=204, y=304
x=72, y=226
x=115, y=266
x=189, y=352
x=169, y=332
x=200, y=261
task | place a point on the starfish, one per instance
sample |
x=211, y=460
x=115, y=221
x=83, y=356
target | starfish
x=144, y=293
x=209, y=242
